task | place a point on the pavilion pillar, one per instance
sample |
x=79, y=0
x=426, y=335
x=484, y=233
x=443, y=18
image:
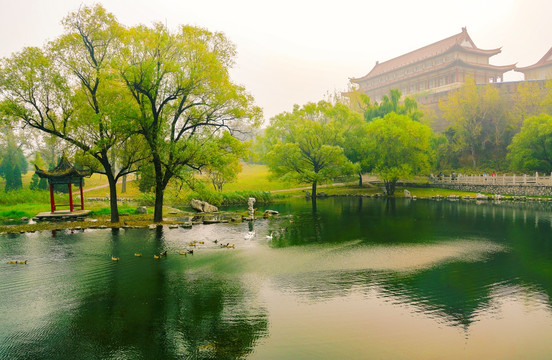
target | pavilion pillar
x=70, y=197
x=82, y=196
x=52, y=200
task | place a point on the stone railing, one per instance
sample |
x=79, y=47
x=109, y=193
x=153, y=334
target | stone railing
x=526, y=185
x=485, y=179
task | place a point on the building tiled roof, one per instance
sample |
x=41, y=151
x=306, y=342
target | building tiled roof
x=447, y=64
x=544, y=61
x=461, y=41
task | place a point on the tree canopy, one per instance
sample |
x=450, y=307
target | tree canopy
x=362, y=103
x=304, y=145
x=398, y=148
x=184, y=97
x=531, y=148
x=480, y=125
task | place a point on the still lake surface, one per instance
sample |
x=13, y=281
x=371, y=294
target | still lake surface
x=354, y=278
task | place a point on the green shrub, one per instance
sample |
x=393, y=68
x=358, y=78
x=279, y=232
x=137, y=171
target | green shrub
x=107, y=211
x=13, y=214
x=147, y=199
x=232, y=197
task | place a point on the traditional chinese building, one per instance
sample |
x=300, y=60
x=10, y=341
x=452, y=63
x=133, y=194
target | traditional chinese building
x=438, y=67
x=541, y=70
x=64, y=174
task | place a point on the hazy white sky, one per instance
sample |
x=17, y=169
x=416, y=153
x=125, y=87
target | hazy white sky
x=295, y=51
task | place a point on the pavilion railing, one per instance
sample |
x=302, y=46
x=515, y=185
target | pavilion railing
x=503, y=179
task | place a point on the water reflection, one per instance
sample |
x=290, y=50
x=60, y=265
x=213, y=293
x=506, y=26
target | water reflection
x=343, y=278
x=134, y=308
x=453, y=288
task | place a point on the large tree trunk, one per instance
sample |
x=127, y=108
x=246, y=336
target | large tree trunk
x=360, y=178
x=474, y=154
x=159, y=189
x=390, y=187
x=113, y=197
x=314, y=183
x=158, y=211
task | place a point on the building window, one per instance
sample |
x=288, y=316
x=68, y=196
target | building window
x=431, y=83
x=442, y=81
x=422, y=85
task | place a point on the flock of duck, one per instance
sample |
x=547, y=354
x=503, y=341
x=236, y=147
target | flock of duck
x=185, y=252
x=250, y=235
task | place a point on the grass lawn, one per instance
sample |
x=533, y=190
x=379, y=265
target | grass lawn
x=428, y=192
x=132, y=190
x=255, y=177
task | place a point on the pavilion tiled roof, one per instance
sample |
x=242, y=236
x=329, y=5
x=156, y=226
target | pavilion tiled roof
x=461, y=40
x=64, y=169
x=544, y=61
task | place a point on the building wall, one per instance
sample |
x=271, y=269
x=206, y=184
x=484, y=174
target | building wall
x=544, y=72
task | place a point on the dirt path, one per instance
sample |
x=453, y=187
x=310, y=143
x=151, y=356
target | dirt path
x=308, y=187
x=365, y=179
x=99, y=187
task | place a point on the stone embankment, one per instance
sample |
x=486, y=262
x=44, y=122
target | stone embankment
x=514, y=190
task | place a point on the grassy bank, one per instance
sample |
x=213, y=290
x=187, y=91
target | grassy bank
x=253, y=181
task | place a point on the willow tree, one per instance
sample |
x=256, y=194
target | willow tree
x=398, y=147
x=69, y=90
x=305, y=146
x=185, y=99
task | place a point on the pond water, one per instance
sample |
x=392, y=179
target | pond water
x=353, y=278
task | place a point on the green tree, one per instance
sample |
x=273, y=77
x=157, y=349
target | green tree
x=226, y=166
x=38, y=183
x=398, y=148
x=547, y=101
x=185, y=99
x=12, y=160
x=478, y=115
x=354, y=131
x=527, y=101
x=390, y=104
x=304, y=146
x=531, y=148
x=69, y=90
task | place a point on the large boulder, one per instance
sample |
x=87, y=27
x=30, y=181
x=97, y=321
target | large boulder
x=269, y=213
x=202, y=206
x=141, y=210
x=480, y=196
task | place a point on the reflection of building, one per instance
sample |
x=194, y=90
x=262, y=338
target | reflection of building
x=438, y=67
x=540, y=70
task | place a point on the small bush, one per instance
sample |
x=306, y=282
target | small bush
x=13, y=214
x=147, y=199
x=107, y=211
x=232, y=198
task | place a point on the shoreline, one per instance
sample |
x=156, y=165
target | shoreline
x=186, y=219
